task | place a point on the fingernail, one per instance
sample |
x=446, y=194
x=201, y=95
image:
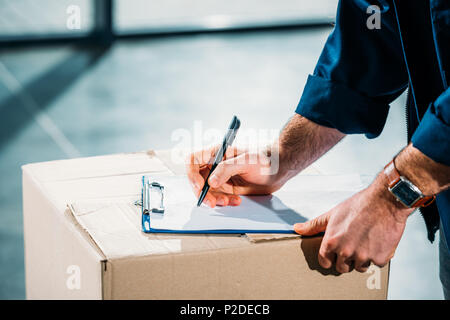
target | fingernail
x=213, y=181
x=220, y=202
x=235, y=201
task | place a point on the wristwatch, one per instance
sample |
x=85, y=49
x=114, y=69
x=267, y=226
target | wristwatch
x=404, y=190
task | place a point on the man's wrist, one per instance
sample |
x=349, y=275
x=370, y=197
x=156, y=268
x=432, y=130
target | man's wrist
x=429, y=176
x=281, y=163
x=380, y=187
x=302, y=142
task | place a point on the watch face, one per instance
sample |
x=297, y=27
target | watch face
x=404, y=192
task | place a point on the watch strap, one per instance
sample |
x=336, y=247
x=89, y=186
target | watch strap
x=392, y=174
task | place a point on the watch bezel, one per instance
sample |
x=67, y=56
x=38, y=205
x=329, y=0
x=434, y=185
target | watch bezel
x=411, y=187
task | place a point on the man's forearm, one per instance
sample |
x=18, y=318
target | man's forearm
x=429, y=176
x=301, y=143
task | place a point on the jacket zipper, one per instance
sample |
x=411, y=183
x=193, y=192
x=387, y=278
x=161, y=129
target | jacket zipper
x=407, y=112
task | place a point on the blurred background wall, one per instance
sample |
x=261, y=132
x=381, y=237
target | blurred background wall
x=127, y=74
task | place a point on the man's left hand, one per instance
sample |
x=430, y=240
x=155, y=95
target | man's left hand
x=364, y=228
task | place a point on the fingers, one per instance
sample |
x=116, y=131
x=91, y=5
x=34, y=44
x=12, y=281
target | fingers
x=346, y=259
x=194, y=162
x=228, y=168
x=362, y=265
x=312, y=227
x=197, y=181
x=343, y=262
x=326, y=255
x=214, y=198
x=199, y=160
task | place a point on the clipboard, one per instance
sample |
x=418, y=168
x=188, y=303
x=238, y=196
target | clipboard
x=169, y=206
x=262, y=215
x=149, y=203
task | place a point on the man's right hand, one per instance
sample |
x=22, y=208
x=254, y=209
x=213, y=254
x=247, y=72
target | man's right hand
x=240, y=173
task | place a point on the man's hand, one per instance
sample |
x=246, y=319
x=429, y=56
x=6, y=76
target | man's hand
x=242, y=172
x=368, y=226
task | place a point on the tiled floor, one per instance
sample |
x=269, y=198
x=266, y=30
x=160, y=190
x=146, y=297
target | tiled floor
x=60, y=102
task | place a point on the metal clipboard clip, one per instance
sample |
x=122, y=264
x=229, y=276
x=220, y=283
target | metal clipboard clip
x=152, y=201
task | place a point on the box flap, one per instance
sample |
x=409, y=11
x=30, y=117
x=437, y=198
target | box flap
x=100, y=166
x=261, y=237
x=64, y=180
x=116, y=229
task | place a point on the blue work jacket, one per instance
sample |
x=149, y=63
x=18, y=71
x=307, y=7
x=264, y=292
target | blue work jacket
x=364, y=67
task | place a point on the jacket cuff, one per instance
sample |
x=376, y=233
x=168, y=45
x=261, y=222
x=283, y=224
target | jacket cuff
x=432, y=137
x=336, y=106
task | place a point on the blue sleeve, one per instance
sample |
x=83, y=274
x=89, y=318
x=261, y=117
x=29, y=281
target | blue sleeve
x=359, y=72
x=432, y=137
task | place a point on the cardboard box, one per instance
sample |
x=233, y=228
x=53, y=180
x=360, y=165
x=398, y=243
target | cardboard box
x=77, y=252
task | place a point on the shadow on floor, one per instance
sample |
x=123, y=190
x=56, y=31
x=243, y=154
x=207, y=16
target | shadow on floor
x=24, y=104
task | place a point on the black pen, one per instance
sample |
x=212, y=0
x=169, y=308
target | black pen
x=227, y=141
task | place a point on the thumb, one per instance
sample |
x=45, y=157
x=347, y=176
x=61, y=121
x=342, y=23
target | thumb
x=228, y=168
x=312, y=227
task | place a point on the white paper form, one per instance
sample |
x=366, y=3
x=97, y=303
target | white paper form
x=303, y=198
